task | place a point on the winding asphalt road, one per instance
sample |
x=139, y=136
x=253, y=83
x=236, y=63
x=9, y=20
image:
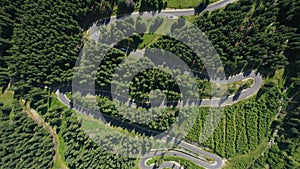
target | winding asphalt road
x=214, y=102
x=217, y=102
x=165, y=13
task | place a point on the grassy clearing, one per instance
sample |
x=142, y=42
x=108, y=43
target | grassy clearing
x=59, y=160
x=243, y=161
x=6, y=97
x=88, y=124
x=165, y=27
x=56, y=103
x=278, y=77
x=181, y=4
x=218, y=90
x=148, y=39
x=182, y=161
x=192, y=18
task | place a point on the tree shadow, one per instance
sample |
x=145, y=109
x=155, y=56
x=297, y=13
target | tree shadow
x=236, y=96
x=200, y=7
x=152, y=6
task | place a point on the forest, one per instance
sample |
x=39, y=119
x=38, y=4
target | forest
x=39, y=47
x=285, y=154
x=21, y=138
x=243, y=126
x=40, y=42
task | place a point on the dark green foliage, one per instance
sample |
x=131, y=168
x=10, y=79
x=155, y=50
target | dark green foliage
x=23, y=143
x=39, y=44
x=7, y=18
x=125, y=7
x=285, y=154
x=201, y=6
x=244, y=125
x=53, y=116
x=40, y=47
x=245, y=34
x=180, y=50
x=83, y=153
x=40, y=57
x=107, y=68
x=40, y=40
x=151, y=5
x=164, y=118
x=152, y=79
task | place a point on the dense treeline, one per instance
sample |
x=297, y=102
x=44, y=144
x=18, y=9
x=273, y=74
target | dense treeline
x=40, y=41
x=245, y=34
x=243, y=125
x=152, y=5
x=257, y=114
x=285, y=153
x=23, y=143
x=7, y=17
x=82, y=152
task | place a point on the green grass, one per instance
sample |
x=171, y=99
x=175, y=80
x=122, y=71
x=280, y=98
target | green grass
x=55, y=102
x=59, y=160
x=243, y=161
x=148, y=39
x=171, y=4
x=152, y=160
x=278, y=77
x=7, y=97
x=69, y=95
x=181, y=4
x=165, y=27
x=182, y=161
x=88, y=124
x=88, y=121
x=192, y=18
x=218, y=90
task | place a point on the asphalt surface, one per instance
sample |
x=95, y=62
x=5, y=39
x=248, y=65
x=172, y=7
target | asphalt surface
x=192, y=155
x=226, y=99
x=214, y=102
x=164, y=13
